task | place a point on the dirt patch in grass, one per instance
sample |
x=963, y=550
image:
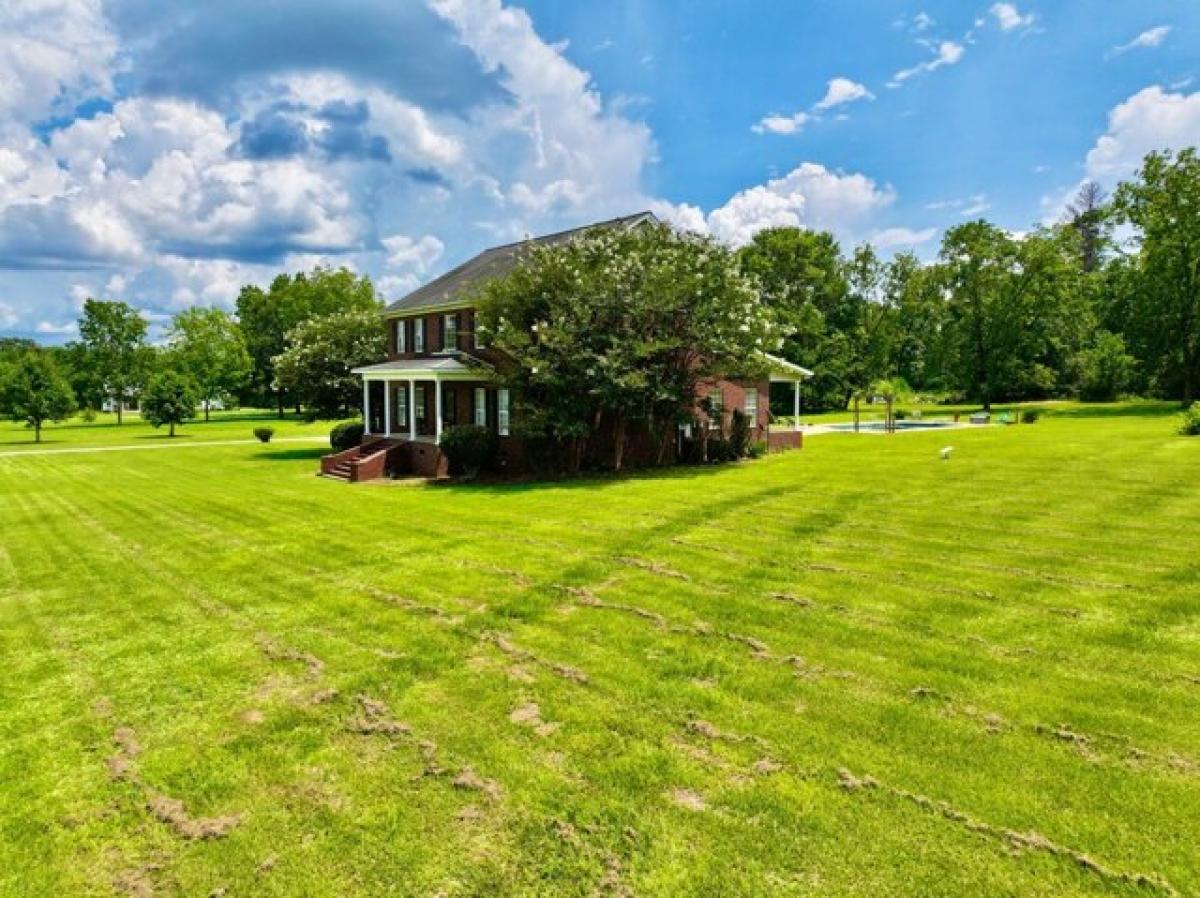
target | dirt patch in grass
x=121, y=764
x=277, y=651
x=470, y=781
x=790, y=599
x=530, y=715
x=376, y=719
x=173, y=813
x=686, y=798
x=412, y=605
x=706, y=730
x=514, y=651
x=139, y=882
x=652, y=567
x=1018, y=841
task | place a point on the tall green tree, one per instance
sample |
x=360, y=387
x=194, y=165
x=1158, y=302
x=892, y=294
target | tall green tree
x=619, y=328
x=208, y=345
x=1163, y=204
x=803, y=278
x=267, y=316
x=1013, y=308
x=113, y=337
x=35, y=391
x=1088, y=218
x=170, y=398
x=321, y=353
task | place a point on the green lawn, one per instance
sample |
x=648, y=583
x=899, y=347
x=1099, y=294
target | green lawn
x=851, y=670
x=104, y=431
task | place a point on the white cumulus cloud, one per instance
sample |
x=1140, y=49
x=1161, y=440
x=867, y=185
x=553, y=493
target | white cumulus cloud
x=843, y=90
x=1152, y=119
x=944, y=53
x=810, y=196
x=1008, y=17
x=781, y=124
x=1151, y=37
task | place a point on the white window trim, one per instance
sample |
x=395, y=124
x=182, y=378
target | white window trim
x=450, y=327
x=480, y=407
x=401, y=336
x=751, y=409
x=502, y=412
x=716, y=398
x=418, y=335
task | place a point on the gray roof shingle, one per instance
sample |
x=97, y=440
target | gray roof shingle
x=456, y=284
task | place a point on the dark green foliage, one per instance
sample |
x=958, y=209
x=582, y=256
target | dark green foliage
x=757, y=449
x=170, y=398
x=113, y=351
x=264, y=434
x=33, y=390
x=1105, y=370
x=1159, y=301
x=469, y=449
x=208, y=345
x=1030, y=415
x=268, y=316
x=346, y=435
x=739, y=434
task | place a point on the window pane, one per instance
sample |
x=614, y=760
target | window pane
x=449, y=333
x=401, y=343
x=480, y=407
x=502, y=412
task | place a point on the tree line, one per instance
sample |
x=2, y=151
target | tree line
x=290, y=345
x=1102, y=304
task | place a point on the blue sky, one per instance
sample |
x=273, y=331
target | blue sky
x=166, y=153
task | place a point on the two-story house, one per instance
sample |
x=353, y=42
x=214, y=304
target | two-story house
x=439, y=374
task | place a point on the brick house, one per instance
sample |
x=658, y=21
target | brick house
x=439, y=375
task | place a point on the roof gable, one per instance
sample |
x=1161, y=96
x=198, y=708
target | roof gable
x=454, y=286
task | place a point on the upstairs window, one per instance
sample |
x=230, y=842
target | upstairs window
x=401, y=336
x=418, y=335
x=449, y=333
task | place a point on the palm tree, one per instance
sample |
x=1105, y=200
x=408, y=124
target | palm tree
x=887, y=390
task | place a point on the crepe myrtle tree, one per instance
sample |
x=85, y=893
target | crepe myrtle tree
x=619, y=327
x=322, y=352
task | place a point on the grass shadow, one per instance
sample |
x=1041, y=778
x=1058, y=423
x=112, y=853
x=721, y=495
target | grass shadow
x=1146, y=409
x=291, y=454
x=590, y=480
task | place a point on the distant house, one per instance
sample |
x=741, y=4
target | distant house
x=438, y=375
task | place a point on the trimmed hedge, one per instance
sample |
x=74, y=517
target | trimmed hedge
x=346, y=435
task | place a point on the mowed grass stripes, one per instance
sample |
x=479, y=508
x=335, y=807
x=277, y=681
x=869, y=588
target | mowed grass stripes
x=851, y=670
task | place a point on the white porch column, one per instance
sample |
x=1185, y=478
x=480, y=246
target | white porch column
x=796, y=405
x=366, y=406
x=387, y=408
x=437, y=410
x=412, y=410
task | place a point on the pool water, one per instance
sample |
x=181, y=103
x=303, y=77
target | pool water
x=900, y=425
